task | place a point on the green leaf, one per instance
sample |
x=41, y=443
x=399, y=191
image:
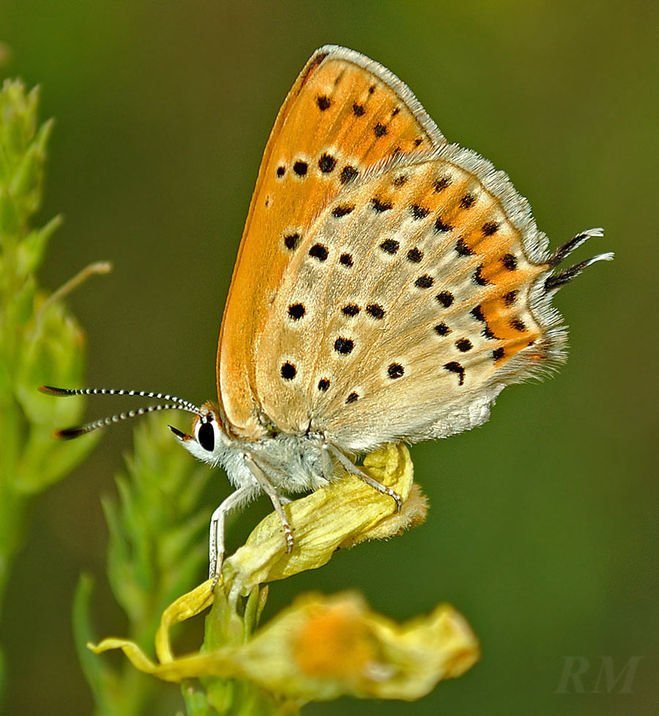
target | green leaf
x=10, y=219
x=100, y=677
x=31, y=250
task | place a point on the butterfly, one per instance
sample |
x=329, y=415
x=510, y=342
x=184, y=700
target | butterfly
x=388, y=286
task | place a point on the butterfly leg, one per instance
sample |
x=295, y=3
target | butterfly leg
x=355, y=470
x=216, y=536
x=326, y=461
x=276, y=499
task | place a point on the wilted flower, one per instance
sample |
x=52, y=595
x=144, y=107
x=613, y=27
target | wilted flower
x=340, y=515
x=320, y=647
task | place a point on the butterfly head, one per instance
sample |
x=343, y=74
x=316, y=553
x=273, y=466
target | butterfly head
x=208, y=439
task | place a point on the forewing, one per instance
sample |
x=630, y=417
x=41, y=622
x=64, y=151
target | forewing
x=344, y=115
x=416, y=297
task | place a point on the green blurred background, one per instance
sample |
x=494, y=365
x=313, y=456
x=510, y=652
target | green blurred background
x=542, y=529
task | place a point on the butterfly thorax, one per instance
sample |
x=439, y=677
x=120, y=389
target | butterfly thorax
x=293, y=462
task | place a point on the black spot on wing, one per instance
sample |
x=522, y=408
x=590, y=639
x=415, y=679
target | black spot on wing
x=467, y=201
x=348, y=173
x=343, y=345
x=477, y=313
x=380, y=205
x=319, y=252
x=424, y=281
x=326, y=163
x=375, y=310
x=291, y=241
x=455, y=367
x=509, y=261
x=300, y=168
x=478, y=277
x=462, y=248
x=342, y=210
x=442, y=184
x=296, y=311
x=489, y=333
x=446, y=298
x=419, y=212
x=390, y=246
x=351, y=309
x=441, y=226
x=346, y=260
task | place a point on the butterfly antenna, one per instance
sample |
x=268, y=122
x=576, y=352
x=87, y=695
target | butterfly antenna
x=553, y=283
x=74, y=432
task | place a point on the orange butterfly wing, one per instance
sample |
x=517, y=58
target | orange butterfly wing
x=344, y=115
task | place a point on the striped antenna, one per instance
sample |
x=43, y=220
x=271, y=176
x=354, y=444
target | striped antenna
x=69, y=433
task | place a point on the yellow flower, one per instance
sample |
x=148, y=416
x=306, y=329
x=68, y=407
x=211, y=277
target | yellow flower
x=340, y=515
x=320, y=647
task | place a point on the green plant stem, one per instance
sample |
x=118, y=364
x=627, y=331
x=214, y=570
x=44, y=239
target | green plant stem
x=231, y=624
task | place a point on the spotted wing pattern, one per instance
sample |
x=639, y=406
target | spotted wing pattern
x=344, y=116
x=417, y=295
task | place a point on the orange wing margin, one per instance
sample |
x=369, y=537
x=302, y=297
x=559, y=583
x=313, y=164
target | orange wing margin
x=344, y=115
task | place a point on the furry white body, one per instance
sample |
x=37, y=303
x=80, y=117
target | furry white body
x=272, y=464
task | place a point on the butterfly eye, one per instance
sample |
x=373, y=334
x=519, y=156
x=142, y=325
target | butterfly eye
x=206, y=436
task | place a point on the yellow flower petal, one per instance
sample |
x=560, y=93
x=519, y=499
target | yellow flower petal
x=412, y=513
x=320, y=648
x=333, y=643
x=135, y=655
x=185, y=607
x=345, y=512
